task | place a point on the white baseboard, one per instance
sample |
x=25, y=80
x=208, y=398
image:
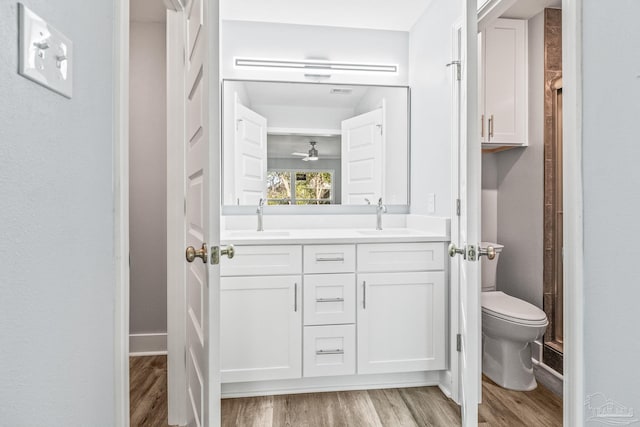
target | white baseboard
x=324, y=384
x=147, y=344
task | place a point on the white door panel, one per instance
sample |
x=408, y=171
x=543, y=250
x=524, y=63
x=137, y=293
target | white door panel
x=251, y=155
x=202, y=222
x=362, y=158
x=465, y=228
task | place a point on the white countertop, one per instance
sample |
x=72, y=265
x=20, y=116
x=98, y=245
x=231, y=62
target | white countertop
x=327, y=236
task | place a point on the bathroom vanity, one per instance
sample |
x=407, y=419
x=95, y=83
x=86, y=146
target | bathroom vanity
x=311, y=310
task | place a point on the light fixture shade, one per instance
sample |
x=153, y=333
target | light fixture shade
x=315, y=65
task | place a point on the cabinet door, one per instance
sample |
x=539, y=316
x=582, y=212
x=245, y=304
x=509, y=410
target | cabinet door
x=505, y=82
x=260, y=328
x=401, y=322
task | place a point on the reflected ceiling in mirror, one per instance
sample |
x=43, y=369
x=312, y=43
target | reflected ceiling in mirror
x=314, y=144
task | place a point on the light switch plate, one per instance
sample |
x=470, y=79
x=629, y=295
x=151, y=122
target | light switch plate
x=46, y=55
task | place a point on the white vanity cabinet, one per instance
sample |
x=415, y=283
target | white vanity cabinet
x=261, y=314
x=401, y=307
x=303, y=312
x=503, y=84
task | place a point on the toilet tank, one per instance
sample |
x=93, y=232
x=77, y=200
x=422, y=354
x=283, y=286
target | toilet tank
x=489, y=267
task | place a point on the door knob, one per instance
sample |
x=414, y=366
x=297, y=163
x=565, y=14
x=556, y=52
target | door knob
x=229, y=251
x=489, y=252
x=453, y=250
x=193, y=253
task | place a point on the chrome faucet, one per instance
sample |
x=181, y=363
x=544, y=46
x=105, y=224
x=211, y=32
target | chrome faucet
x=260, y=211
x=380, y=209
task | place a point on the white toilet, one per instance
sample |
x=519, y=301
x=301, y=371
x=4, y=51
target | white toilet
x=509, y=326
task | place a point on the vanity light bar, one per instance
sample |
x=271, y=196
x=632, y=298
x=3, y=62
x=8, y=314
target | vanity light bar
x=315, y=65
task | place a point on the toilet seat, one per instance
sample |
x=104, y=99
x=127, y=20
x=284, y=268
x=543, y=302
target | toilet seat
x=505, y=307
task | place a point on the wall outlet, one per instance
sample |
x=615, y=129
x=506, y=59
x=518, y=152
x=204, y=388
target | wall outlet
x=431, y=203
x=45, y=53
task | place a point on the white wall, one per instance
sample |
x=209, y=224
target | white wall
x=148, y=178
x=610, y=109
x=490, y=198
x=287, y=41
x=520, y=201
x=57, y=280
x=282, y=116
x=430, y=82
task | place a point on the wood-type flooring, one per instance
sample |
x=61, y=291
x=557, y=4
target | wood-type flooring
x=419, y=406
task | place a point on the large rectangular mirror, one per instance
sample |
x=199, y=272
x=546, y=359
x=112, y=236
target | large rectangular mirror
x=314, y=144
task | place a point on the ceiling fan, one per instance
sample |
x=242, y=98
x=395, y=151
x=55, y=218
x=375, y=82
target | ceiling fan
x=311, y=156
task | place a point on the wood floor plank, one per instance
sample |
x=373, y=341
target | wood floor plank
x=430, y=407
x=391, y=408
x=358, y=409
x=148, y=391
x=249, y=412
x=308, y=410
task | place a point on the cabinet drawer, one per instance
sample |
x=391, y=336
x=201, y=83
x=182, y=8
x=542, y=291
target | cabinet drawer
x=329, y=350
x=263, y=260
x=329, y=259
x=329, y=299
x=389, y=257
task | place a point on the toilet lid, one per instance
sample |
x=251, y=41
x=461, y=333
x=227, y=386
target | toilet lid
x=510, y=308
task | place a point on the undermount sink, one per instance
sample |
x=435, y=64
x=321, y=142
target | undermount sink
x=249, y=233
x=387, y=232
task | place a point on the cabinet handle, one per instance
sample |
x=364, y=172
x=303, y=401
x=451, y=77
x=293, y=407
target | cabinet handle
x=329, y=299
x=321, y=258
x=295, y=297
x=364, y=294
x=325, y=352
x=491, y=125
x=482, y=127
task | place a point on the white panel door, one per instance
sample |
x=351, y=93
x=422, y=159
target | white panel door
x=251, y=156
x=465, y=228
x=202, y=213
x=261, y=328
x=362, y=158
x=401, y=322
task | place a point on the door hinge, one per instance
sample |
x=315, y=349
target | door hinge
x=458, y=342
x=379, y=127
x=458, y=65
x=458, y=207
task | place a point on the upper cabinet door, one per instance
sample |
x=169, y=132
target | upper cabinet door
x=362, y=148
x=251, y=156
x=504, y=74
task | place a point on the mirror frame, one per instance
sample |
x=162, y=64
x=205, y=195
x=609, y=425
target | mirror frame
x=313, y=209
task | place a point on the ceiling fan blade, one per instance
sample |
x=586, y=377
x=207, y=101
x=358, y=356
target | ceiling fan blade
x=306, y=159
x=300, y=154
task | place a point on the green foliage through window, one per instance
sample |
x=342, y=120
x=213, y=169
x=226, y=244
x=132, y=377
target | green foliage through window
x=309, y=187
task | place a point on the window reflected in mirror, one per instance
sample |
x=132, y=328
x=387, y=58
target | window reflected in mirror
x=314, y=144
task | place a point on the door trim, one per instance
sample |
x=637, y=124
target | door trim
x=573, y=412
x=121, y=214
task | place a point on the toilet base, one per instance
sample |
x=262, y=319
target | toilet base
x=508, y=363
